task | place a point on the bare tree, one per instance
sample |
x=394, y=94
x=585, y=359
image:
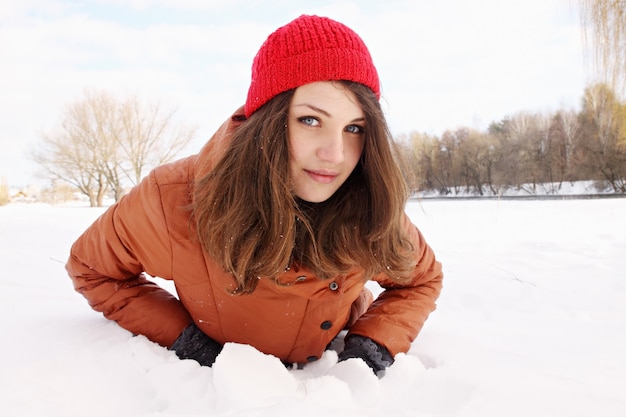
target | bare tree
x=78, y=152
x=107, y=144
x=604, y=118
x=425, y=154
x=148, y=137
x=568, y=126
x=478, y=154
x=4, y=192
x=604, y=22
x=520, y=162
x=549, y=149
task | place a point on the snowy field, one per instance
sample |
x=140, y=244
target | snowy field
x=531, y=322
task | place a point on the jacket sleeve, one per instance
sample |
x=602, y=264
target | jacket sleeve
x=396, y=317
x=108, y=261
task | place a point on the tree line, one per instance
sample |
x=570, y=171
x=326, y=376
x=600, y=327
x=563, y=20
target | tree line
x=527, y=151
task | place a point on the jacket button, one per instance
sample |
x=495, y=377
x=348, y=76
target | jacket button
x=326, y=325
x=333, y=286
x=312, y=358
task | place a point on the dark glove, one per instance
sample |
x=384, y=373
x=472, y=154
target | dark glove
x=194, y=344
x=375, y=356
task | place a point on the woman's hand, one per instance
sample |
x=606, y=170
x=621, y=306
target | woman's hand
x=374, y=355
x=194, y=344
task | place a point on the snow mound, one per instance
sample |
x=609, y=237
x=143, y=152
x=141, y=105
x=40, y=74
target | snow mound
x=245, y=377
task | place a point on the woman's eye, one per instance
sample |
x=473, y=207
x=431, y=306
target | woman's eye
x=309, y=121
x=354, y=129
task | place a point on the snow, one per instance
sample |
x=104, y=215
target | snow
x=531, y=322
x=565, y=189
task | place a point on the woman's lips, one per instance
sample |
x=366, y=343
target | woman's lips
x=324, y=177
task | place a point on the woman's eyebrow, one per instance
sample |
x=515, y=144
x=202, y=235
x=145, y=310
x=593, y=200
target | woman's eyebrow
x=314, y=108
x=324, y=112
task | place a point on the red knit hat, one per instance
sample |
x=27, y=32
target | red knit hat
x=309, y=49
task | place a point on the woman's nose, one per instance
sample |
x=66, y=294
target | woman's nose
x=331, y=149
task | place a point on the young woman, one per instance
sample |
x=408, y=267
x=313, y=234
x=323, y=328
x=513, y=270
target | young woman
x=272, y=230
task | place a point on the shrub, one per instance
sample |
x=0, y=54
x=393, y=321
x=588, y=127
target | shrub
x=4, y=192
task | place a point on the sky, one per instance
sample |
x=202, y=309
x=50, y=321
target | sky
x=443, y=65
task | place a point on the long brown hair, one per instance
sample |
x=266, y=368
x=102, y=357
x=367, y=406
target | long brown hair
x=250, y=222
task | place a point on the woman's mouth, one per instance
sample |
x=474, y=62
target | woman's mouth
x=321, y=176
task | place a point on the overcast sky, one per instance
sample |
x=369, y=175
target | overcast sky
x=443, y=64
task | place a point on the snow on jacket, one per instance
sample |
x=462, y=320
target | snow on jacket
x=149, y=231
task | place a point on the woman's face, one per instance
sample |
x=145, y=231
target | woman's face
x=326, y=131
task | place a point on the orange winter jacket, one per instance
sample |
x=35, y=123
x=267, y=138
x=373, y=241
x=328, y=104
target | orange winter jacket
x=149, y=231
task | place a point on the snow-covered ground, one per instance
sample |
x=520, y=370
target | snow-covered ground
x=557, y=190
x=531, y=322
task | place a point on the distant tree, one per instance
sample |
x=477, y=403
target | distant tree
x=477, y=153
x=75, y=156
x=519, y=162
x=604, y=124
x=566, y=125
x=108, y=144
x=426, y=157
x=449, y=161
x=524, y=151
x=463, y=158
x=604, y=22
x=549, y=153
x=4, y=192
